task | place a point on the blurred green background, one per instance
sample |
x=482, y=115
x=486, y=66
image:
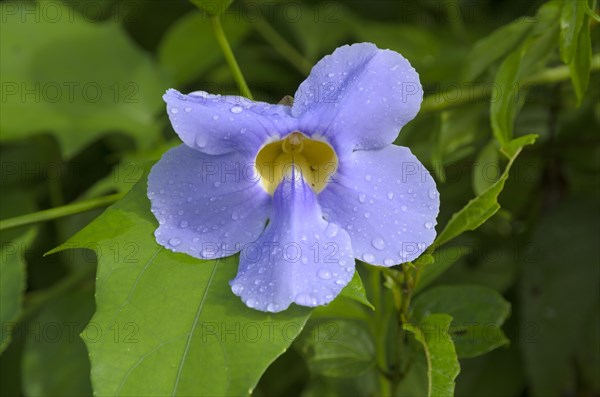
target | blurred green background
x=81, y=109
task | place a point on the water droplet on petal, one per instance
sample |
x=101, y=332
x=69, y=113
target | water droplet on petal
x=216, y=117
x=251, y=303
x=201, y=141
x=404, y=208
x=367, y=214
x=235, y=216
x=174, y=110
x=324, y=274
x=188, y=109
x=390, y=195
x=429, y=225
x=331, y=230
x=261, y=270
x=432, y=193
x=174, y=242
x=330, y=74
x=237, y=288
x=388, y=262
x=378, y=243
x=236, y=109
x=183, y=224
x=367, y=177
x=369, y=258
x=362, y=198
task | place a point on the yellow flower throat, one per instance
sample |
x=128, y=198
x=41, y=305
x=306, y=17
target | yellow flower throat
x=315, y=159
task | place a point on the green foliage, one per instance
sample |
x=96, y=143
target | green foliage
x=50, y=68
x=442, y=363
x=184, y=56
x=496, y=80
x=477, y=315
x=482, y=207
x=172, y=314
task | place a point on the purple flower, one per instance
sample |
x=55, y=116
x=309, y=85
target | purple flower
x=299, y=191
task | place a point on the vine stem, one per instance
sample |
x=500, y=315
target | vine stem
x=217, y=28
x=60, y=212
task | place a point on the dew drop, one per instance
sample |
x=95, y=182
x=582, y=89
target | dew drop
x=324, y=274
x=378, y=243
x=331, y=230
x=272, y=307
x=261, y=270
x=362, y=198
x=251, y=303
x=235, y=216
x=201, y=141
x=388, y=262
x=174, y=110
x=367, y=214
x=368, y=177
x=237, y=288
x=236, y=109
x=429, y=225
x=369, y=258
x=215, y=117
x=404, y=208
x=183, y=224
x=340, y=281
x=188, y=109
x=174, y=242
x=390, y=195
x=432, y=194
x=330, y=74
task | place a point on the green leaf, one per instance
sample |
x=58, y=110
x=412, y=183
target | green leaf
x=189, y=49
x=212, y=7
x=81, y=79
x=482, y=207
x=59, y=324
x=337, y=348
x=486, y=169
x=503, y=108
x=528, y=58
x=495, y=46
x=442, y=363
x=12, y=282
x=559, y=295
x=571, y=22
x=580, y=63
x=177, y=314
x=356, y=290
x=477, y=315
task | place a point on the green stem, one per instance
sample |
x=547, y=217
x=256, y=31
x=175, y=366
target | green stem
x=460, y=96
x=293, y=56
x=59, y=212
x=215, y=23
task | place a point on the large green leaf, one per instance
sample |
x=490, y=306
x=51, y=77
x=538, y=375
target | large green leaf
x=189, y=47
x=80, y=79
x=442, y=362
x=181, y=329
x=477, y=315
x=59, y=324
x=482, y=207
x=12, y=282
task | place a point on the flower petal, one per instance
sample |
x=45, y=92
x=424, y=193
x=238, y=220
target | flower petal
x=216, y=124
x=299, y=258
x=207, y=206
x=359, y=97
x=388, y=203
